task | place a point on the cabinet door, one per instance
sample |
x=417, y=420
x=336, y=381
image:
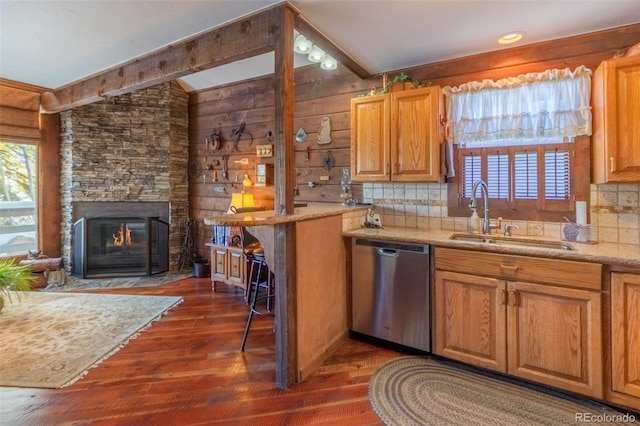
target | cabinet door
x=555, y=336
x=470, y=319
x=616, y=121
x=236, y=267
x=370, y=138
x=625, y=328
x=416, y=132
x=219, y=264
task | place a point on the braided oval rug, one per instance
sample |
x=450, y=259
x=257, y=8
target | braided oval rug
x=413, y=390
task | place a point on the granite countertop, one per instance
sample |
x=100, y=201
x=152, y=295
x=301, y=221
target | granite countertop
x=606, y=253
x=261, y=218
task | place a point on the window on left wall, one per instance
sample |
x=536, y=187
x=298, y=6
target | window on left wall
x=18, y=194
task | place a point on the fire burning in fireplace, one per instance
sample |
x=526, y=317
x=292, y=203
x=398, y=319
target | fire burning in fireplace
x=122, y=237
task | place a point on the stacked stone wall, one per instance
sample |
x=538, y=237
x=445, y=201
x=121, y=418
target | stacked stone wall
x=132, y=147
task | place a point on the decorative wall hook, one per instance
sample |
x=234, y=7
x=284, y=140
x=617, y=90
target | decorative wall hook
x=215, y=139
x=237, y=133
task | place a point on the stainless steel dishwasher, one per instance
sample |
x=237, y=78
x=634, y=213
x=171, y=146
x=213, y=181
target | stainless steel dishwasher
x=390, y=292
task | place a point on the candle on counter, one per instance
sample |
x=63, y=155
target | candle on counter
x=581, y=212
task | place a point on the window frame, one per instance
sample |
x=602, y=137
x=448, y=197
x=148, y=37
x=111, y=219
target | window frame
x=36, y=193
x=540, y=209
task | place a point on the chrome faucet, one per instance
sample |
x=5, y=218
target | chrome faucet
x=486, y=222
x=508, y=228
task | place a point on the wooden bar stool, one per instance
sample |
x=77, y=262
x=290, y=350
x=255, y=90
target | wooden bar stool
x=260, y=279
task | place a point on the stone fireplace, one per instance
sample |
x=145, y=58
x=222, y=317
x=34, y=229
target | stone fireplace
x=125, y=160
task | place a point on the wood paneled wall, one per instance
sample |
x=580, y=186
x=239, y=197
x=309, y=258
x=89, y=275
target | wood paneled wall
x=320, y=93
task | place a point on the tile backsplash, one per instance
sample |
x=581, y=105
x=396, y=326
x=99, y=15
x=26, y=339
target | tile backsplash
x=614, y=211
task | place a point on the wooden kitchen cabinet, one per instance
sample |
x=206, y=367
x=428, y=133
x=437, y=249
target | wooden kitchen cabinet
x=555, y=336
x=625, y=340
x=470, y=319
x=487, y=315
x=228, y=265
x=616, y=121
x=370, y=138
x=396, y=136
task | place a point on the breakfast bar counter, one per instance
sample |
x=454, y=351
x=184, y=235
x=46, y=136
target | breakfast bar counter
x=310, y=280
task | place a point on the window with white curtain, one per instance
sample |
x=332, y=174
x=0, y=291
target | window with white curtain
x=527, y=138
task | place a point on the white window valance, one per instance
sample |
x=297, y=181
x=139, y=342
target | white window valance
x=553, y=103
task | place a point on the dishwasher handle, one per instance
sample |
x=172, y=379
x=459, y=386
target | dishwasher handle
x=392, y=245
x=388, y=252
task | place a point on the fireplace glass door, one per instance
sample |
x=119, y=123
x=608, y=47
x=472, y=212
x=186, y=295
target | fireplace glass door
x=120, y=246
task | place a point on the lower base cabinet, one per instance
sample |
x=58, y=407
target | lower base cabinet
x=228, y=265
x=625, y=340
x=490, y=312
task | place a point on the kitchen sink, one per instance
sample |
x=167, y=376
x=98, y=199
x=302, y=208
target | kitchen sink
x=511, y=241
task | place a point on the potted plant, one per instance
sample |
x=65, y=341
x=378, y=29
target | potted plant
x=14, y=279
x=400, y=82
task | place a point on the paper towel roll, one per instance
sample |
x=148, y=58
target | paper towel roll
x=581, y=212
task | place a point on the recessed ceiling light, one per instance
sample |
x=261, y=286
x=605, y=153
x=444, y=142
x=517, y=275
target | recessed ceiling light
x=510, y=37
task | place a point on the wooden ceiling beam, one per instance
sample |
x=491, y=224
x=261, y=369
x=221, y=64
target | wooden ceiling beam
x=249, y=36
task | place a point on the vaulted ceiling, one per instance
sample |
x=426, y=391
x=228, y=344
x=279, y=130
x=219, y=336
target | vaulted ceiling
x=54, y=43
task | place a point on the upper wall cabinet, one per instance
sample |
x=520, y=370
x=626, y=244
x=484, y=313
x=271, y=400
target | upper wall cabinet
x=396, y=136
x=616, y=121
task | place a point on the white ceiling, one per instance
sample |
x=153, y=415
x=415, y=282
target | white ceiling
x=53, y=43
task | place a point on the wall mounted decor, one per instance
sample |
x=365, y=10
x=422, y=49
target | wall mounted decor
x=237, y=133
x=301, y=135
x=324, y=134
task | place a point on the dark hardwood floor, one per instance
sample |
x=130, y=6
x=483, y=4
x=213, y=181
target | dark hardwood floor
x=186, y=369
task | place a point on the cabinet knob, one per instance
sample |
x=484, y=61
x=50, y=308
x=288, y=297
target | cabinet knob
x=513, y=298
x=612, y=162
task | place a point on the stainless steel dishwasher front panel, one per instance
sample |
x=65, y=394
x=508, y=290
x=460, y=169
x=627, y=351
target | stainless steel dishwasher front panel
x=390, y=292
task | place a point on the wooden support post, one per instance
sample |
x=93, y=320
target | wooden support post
x=49, y=212
x=284, y=264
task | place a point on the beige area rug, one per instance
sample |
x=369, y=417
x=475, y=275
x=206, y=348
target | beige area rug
x=74, y=283
x=49, y=340
x=422, y=391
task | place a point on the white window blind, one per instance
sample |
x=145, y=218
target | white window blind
x=471, y=172
x=498, y=175
x=557, y=175
x=526, y=175
x=520, y=169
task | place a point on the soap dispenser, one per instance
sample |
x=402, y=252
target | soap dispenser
x=474, y=222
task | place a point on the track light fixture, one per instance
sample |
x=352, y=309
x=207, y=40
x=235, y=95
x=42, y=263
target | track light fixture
x=328, y=63
x=315, y=54
x=302, y=45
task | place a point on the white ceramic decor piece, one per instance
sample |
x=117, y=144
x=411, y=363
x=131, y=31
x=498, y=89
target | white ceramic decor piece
x=324, y=134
